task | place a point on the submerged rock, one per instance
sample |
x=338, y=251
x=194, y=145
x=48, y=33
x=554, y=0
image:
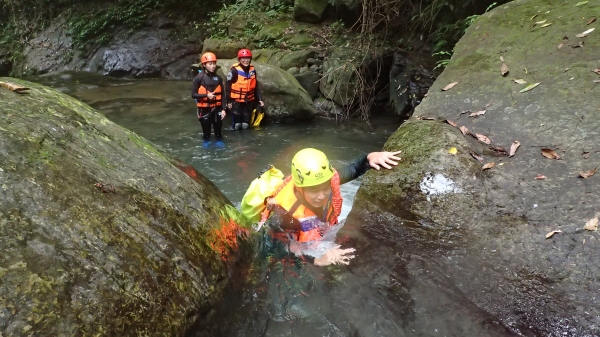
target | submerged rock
x=486, y=235
x=101, y=234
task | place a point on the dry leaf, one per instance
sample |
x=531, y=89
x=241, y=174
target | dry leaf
x=587, y=174
x=478, y=113
x=586, y=154
x=513, y=148
x=592, y=224
x=499, y=149
x=529, y=87
x=504, y=69
x=578, y=45
x=540, y=22
x=580, y=3
x=451, y=122
x=540, y=177
x=501, y=58
x=476, y=156
x=465, y=112
x=597, y=71
x=584, y=34
x=564, y=40
x=592, y=20
x=483, y=139
x=453, y=151
x=449, y=86
x=520, y=81
x=464, y=130
x=533, y=17
x=549, y=235
x=13, y=87
x=546, y=25
x=549, y=153
x=488, y=166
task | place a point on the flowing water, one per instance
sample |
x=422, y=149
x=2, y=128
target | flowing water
x=385, y=291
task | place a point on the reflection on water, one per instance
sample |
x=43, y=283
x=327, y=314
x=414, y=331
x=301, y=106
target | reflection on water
x=385, y=291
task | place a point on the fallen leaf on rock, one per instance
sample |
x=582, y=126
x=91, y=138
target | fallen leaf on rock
x=453, y=151
x=579, y=45
x=549, y=153
x=529, y=87
x=592, y=224
x=540, y=177
x=451, y=122
x=520, y=81
x=533, y=17
x=464, y=130
x=465, y=112
x=580, y=3
x=513, y=148
x=501, y=58
x=478, y=113
x=584, y=34
x=449, y=86
x=13, y=87
x=488, y=166
x=587, y=174
x=483, y=139
x=597, y=71
x=504, y=69
x=549, y=235
x=586, y=154
x=596, y=81
x=499, y=149
x=476, y=156
x=540, y=22
x=592, y=20
x=545, y=25
x=564, y=40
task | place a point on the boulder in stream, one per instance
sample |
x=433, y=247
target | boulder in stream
x=103, y=234
x=507, y=240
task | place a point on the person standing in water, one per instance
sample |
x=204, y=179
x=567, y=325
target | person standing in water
x=210, y=95
x=310, y=198
x=242, y=89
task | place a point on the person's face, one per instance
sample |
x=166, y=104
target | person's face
x=245, y=61
x=210, y=66
x=317, y=196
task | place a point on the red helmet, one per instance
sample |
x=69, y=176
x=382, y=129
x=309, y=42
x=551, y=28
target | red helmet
x=208, y=57
x=244, y=53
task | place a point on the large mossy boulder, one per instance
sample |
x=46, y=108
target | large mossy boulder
x=484, y=233
x=310, y=11
x=102, y=235
x=284, y=97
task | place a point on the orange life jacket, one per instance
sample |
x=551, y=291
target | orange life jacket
x=285, y=197
x=205, y=102
x=243, y=89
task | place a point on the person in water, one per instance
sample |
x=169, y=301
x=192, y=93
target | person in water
x=242, y=90
x=311, y=196
x=208, y=90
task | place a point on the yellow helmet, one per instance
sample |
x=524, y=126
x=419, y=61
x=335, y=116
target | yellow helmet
x=310, y=167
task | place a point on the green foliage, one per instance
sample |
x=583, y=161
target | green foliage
x=251, y=16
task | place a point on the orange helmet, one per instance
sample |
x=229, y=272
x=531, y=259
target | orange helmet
x=244, y=53
x=208, y=57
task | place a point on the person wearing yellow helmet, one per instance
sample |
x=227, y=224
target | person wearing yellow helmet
x=311, y=196
x=209, y=92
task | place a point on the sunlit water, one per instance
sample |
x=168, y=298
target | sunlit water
x=385, y=291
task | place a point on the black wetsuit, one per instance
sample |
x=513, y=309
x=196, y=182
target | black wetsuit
x=241, y=111
x=210, y=115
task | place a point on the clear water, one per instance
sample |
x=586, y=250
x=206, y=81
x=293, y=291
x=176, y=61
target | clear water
x=385, y=291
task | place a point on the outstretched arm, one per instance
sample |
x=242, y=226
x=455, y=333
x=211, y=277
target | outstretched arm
x=385, y=159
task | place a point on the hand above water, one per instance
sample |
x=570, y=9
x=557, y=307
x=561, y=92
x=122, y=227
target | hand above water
x=385, y=159
x=335, y=256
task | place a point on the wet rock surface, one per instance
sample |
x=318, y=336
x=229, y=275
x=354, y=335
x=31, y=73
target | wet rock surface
x=103, y=234
x=150, y=52
x=485, y=230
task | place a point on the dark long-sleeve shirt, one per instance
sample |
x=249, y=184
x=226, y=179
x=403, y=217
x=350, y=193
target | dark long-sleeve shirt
x=210, y=81
x=232, y=77
x=354, y=170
